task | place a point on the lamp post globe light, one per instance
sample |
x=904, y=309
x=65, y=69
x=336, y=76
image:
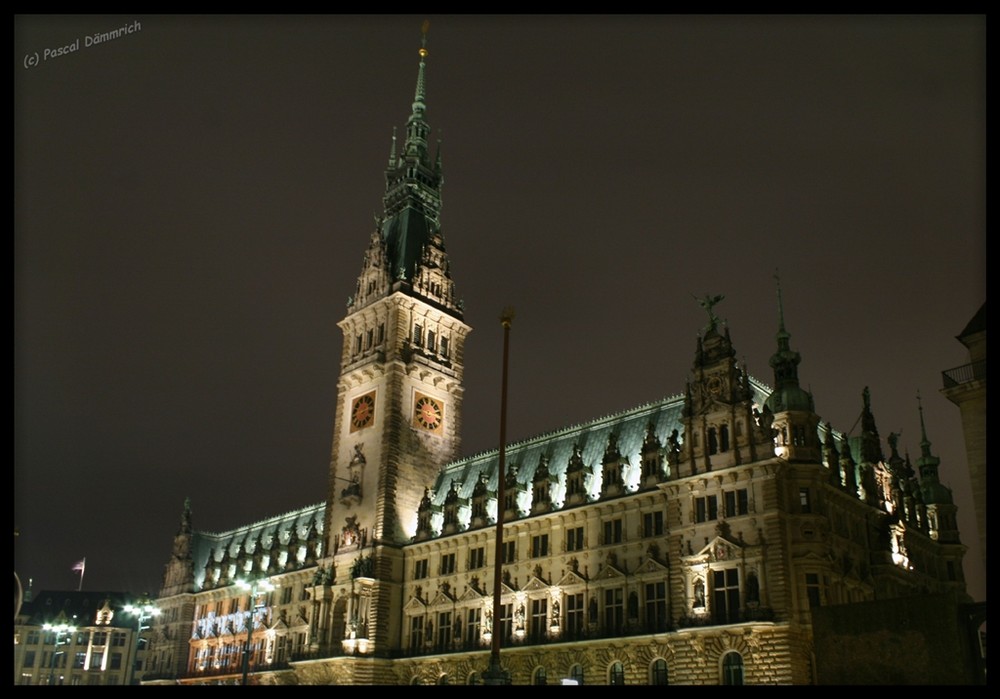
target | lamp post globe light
x=255, y=587
x=143, y=612
x=58, y=630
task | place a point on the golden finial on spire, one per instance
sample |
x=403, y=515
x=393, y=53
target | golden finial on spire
x=423, y=39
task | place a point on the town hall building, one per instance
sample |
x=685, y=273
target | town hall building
x=683, y=541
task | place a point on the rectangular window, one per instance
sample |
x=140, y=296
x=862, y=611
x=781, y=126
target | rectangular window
x=506, y=621
x=656, y=607
x=286, y=595
x=742, y=502
x=473, y=626
x=651, y=466
x=574, y=539
x=726, y=596
x=420, y=569
x=418, y=335
x=444, y=630
x=539, y=619
x=431, y=340
x=447, y=564
x=79, y=659
x=444, y=347
x=729, y=500
x=804, y=506
x=508, y=552
x=813, y=591
x=381, y=333
x=118, y=639
x=416, y=633
x=477, y=558
x=706, y=508
x=540, y=545
x=574, y=615
x=652, y=524
x=614, y=610
x=33, y=637
x=29, y=659
x=369, y=339
x=357, y=345
x=613, y=531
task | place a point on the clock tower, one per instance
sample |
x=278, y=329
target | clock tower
x=399, y=396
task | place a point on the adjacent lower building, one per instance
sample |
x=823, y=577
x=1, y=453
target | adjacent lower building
x=683, y=541
x=79, y=638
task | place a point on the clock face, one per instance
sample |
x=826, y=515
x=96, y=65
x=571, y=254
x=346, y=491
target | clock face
x=362, y=411
x=427, y=413
x=715, y=385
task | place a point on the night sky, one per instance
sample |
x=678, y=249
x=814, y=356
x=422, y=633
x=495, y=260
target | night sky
x=192, y=201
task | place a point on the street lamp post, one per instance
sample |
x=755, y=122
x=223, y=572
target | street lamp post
x=495, y=673
x=58, y=630
x=143, y=612
x=255, y=587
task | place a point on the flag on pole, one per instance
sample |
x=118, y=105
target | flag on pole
x=79, y=566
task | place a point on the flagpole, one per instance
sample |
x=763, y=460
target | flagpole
x=81, y=566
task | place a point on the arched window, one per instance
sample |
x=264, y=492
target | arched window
x=732, y=668
x=539, y=677
x=658, y=672
x=576, y=673
x=616, y=675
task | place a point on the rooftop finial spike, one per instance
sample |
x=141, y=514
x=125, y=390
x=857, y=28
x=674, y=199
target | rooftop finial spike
x=781, y=307
x=418, y=98
x=923, y=430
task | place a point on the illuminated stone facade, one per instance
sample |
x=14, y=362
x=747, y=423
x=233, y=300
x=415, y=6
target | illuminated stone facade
x=85, y=639
x=683, y=541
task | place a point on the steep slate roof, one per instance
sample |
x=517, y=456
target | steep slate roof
x=205, y=544
x=592, y=437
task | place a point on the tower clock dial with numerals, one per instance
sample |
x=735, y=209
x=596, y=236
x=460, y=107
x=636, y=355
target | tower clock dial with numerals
x=362, y=411
x=428, y=413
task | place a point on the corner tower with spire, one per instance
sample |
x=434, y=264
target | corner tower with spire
x=399, y=397
x=795, y=421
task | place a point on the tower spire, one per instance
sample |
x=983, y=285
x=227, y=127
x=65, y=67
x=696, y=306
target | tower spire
x=416, y=126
